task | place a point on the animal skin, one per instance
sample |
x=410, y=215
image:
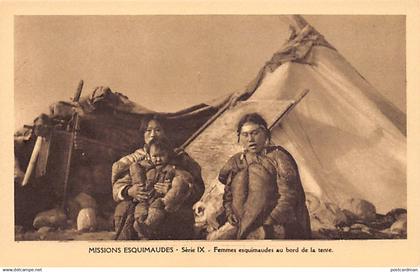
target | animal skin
x=254, y=193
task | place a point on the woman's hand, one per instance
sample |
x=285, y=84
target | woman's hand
x=162, y=188
x=136, y=192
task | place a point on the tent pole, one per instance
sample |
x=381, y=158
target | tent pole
x=297, y=21
x=208, y=123
x=73, y=131
x=296, y=101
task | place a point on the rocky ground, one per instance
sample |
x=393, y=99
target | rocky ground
x=357, y=219
x=47, y=234
x=356, y=232
x=384, y=227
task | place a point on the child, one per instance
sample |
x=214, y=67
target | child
x=150, y=213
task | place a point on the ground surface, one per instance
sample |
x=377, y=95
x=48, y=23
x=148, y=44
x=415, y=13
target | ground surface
x=74, y=235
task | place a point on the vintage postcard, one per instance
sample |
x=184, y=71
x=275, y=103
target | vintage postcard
x=210, y=135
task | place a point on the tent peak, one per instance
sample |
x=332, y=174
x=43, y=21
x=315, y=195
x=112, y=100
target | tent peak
x=297, y=22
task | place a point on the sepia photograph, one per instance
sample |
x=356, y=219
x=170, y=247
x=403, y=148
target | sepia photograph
x=141, y=134
x=177, y=127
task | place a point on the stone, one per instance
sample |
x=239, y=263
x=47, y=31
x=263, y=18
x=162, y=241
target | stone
x=399, y=226
x=359, y=209
x=360, y=227
x=86, y=220
x=384, y=222
x=44, y=230
x=397, y=213
x=18, y=229
x=327, y=216
x=52, y=218
x=402, y=217
x=381, y=222
x=85, y=201
x=346, y=229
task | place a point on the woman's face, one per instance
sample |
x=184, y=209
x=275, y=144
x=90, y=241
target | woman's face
x=252, y=137
x=153, y=131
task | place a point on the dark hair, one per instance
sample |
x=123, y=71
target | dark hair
x=146, y=119
x=256, y=119
x=163, y=144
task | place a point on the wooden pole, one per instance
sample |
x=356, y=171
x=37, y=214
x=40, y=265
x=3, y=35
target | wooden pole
x=71, y=145
x=32, y=160
x=296, y=101
x=207, y=124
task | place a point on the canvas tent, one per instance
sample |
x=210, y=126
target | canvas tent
x=108, y=129
x=348, y=141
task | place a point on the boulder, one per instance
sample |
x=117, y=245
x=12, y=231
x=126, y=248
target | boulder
x=52, y=218
x=383, y=222
x=346, y=229
x=85, y=201
x=360, y=227
x=327, y=216
x=73, y=208
x=18, y=229
x=44, y=230
x=399, y=226
x=86, y=220
x=396, y=214
x=359, y=209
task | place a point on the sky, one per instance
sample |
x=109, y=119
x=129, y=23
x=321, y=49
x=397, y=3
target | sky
x=167, y=63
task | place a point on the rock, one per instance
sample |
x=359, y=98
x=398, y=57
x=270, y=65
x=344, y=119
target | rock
x=51, y=218
x=44, y=230
x=86, y=220
x=18, y=229
x=85, y=201
x=346, y=229
x=361, y=227
x=359, y=209
x=327, y=216
x=381, y=222
x=402, y=217
x=398, y=229
x=400, y=226
x=396, y=214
